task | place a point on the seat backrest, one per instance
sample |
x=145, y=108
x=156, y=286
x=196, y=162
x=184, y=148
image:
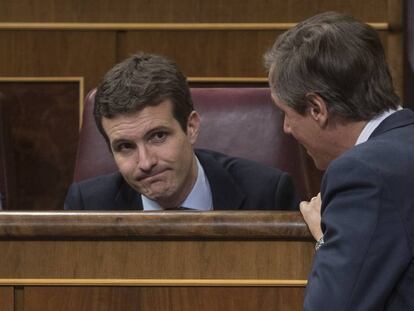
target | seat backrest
x=93, y=157
x=7, y=169
x=237, y=121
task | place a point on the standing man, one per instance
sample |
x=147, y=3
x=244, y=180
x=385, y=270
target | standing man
x=329, y=76
x=144, y=110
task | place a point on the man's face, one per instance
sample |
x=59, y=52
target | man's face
x=154, y=155
x=306, y=131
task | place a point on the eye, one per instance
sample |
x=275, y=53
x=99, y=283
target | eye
x=124, y=147
x=158, y=137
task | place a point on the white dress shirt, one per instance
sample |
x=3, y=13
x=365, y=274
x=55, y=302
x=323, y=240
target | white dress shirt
x=373, y=124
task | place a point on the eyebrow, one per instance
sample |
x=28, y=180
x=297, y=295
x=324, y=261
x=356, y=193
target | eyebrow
x=146, y=135
x=119, y=141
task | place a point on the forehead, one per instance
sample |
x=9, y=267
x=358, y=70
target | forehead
x=140, y=122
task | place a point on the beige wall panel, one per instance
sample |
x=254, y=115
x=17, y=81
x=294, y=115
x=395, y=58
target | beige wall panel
x=133, y=11
x=163, y=298
x=57, y=53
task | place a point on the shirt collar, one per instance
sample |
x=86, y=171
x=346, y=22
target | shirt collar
x=373, y=124
x=200, y=197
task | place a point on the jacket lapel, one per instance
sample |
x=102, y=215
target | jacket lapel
x=225, y=192
x=127, y=198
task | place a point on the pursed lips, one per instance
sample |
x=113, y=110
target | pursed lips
x=151, y=177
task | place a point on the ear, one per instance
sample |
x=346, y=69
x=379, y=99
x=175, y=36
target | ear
x=193, y=126
x=317, y=109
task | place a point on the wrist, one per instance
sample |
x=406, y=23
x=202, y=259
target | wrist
x=319, y=243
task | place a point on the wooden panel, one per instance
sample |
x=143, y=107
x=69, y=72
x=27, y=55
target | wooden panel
x=213, y=53
x=394, y=46
x=163, y=245
x=44, y=130
x=227, y=53
x=234, y=260
x=57, y=53
x=92, y=54
x=156, y=259
x=163, y=298
x=395, y=62
x=184, y=10
x=6, y=298
x=7, y=167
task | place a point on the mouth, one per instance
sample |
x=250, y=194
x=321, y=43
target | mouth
x=151, y=177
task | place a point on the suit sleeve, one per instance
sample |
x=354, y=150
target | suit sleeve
x=366, y=249
x=286, y=197
x=73, y=199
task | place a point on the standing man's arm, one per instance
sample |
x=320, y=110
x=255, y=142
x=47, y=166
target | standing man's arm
x=365, y=250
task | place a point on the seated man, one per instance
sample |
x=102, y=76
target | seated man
x=144, y=110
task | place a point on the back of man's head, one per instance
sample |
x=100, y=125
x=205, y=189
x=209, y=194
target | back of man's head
x=140, y=81
x=336, y=57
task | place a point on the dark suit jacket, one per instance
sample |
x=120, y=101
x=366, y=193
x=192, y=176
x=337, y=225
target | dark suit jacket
x=367, y=261
x=235, y=184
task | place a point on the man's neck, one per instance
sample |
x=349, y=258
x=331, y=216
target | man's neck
x=344, y=136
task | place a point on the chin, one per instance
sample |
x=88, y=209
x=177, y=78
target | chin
x=160, y=194
x=321, y=165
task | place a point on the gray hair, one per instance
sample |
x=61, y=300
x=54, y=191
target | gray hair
x=337, y=57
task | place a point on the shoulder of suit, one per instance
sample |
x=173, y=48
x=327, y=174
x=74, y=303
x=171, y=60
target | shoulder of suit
x=237, y=165
x=101, y=180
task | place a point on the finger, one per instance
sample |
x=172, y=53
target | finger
x=304, y=207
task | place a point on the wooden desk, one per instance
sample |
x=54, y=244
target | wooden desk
x=154, y=261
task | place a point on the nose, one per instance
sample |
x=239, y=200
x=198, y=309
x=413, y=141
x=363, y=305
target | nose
x=146, y=159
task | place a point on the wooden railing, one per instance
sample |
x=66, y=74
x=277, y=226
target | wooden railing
x=60, y=260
